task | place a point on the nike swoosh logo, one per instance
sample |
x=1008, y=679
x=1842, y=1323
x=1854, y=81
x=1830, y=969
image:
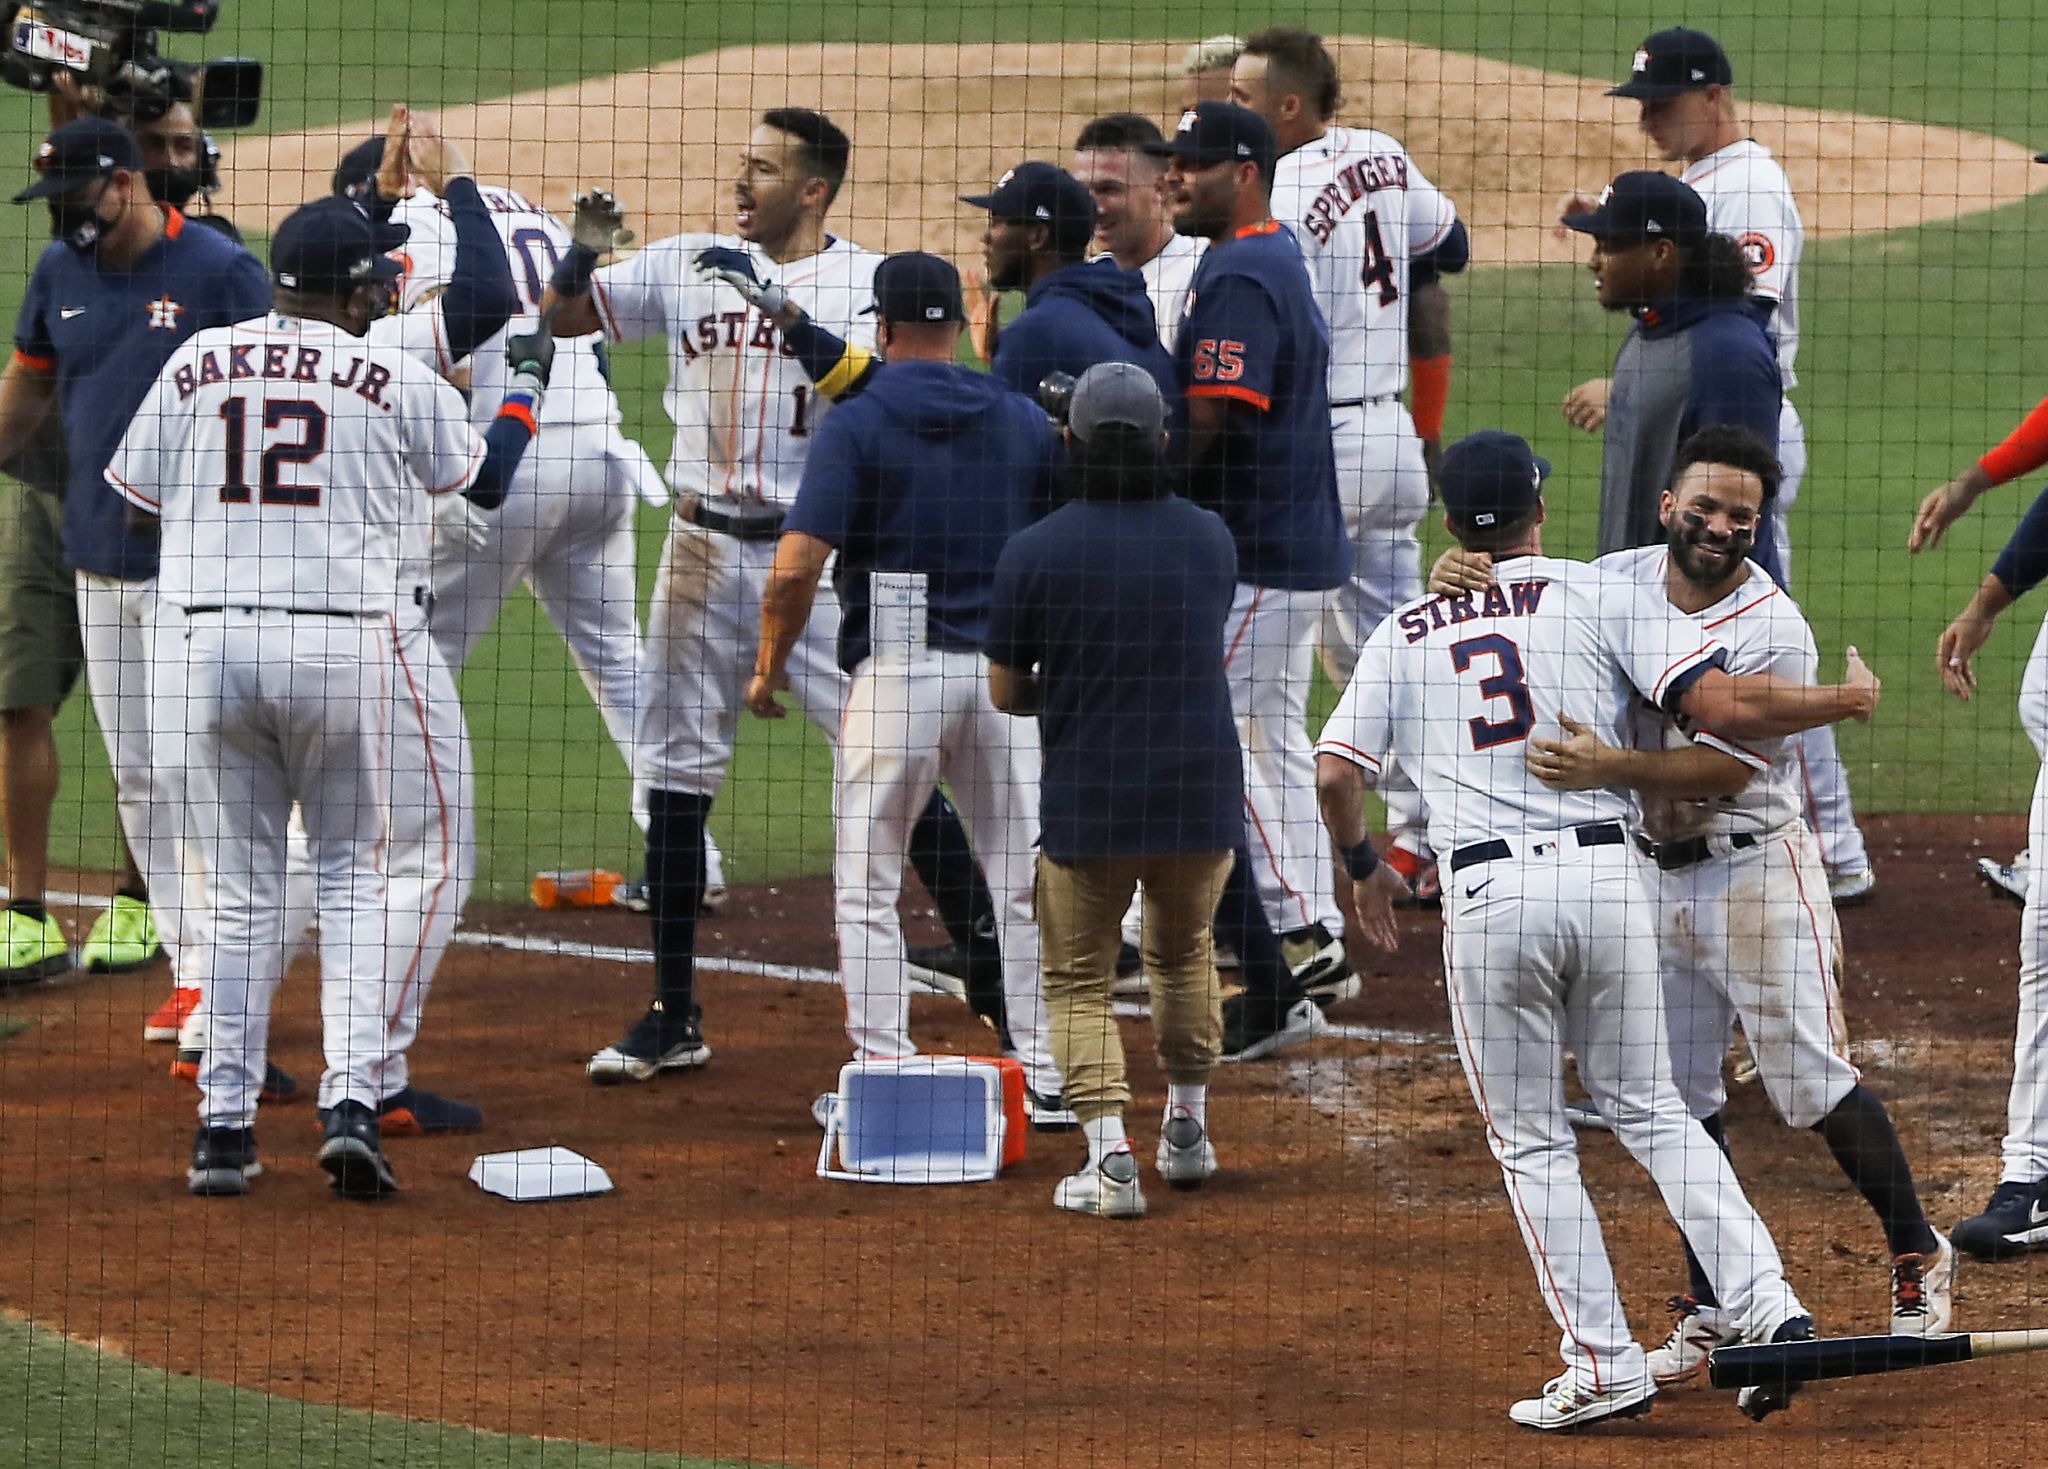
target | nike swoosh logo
x=70, y=311
x=1473, y=892
x=2037, y=1214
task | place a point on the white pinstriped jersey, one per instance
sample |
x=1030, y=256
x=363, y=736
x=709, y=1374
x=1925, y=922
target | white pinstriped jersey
x=743, y=406
x=1763, y=631
x=1168, y=277
x=1749, y=199
x=1361, y=211
x=277, y=455
x=1455, y=686
x=535, y=242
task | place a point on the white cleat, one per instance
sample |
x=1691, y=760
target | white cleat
x=1109, y=1191
x=2009, y=878
x=1565, y=1405
x=1695, y=1331
x=1924, y=1290
x=1849, y=889
x=1186, y=1158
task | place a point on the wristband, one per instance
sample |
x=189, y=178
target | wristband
x=1361, y=861
x=572, y=276
x=1430, y=379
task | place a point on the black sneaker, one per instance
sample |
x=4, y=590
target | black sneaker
x=1759, y=1402
x=1257, y=1026
x=2014, y=1222
x=223, y=1161
x=657, y=1042
x=954, y=969
x=353, y=1153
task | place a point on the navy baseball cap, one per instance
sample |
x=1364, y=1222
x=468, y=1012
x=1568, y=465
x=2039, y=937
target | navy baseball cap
x=1212, y=132
x=1042, y=193
x=1490, y=479
x=329, y=247
x=1645, y=205
x=917, y=288
x=1674, y=61
x=358, y=169
x=77, y=153
x=1116, y=393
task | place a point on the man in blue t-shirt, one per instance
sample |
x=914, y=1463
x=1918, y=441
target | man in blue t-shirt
x=122, y=284
x=1107, y=624
x=1252, y=355
x=917, y=484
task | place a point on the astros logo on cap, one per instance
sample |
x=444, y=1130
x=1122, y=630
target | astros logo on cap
x=1642, y=61
x=1187, y=120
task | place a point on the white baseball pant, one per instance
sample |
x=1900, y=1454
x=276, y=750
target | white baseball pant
x=910, y=721
x=2025, y=1149
x=1269, y=658
x=1751, y=933
x=117, y=621
x=1549, y=949
x=1383, y=488
x=703, y=629
x=566, y=531
x=282, y=708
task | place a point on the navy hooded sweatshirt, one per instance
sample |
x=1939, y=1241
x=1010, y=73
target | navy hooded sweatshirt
x=931, y=469
x=1076, y=317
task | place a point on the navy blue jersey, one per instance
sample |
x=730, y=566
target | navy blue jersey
x=1076, y=317
x=930, y=470
x=106, y=334
x=1121, y=609
x=1251, y=333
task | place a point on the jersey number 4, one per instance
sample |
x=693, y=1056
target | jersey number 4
x=1509, y=683
x=1379, y=265
x=309, y=443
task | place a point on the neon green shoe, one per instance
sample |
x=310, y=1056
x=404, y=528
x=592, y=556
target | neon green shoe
x=31, y=949
x=123, y=938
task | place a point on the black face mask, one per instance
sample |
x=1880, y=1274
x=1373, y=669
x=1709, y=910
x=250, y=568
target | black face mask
x=78, y=223
x=173, y=186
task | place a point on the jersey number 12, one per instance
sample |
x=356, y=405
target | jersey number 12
x=310, y=443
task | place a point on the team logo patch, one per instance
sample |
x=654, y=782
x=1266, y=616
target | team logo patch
x=1758, y=251
x=1187, y=121
x=163, y=313
x=1642, y=61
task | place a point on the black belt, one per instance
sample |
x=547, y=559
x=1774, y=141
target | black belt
x=1366, y=402
x=1596, y=834
x=287, y=611
x=1670, y=856
x=760, y=522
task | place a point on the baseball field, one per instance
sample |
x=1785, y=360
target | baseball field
x=1353, y=1290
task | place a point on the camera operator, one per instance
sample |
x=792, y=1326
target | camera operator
x=179, y=159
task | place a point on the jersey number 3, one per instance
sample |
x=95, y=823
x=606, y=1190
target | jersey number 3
x=310, y=443
x=1509, y=683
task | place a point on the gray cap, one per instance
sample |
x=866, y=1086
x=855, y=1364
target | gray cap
x=1116, y=393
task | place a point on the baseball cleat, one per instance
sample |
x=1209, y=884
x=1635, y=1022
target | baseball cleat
x=1049, y=1114
x=1566, y=1406
x=353, y=1153
x=2014, y=1222
x=1586, y=1117
x=412, y=1112
x=167, y=1019
x=2009, y=878
x=1695, y=1331
x=951, y=969
x=1924, y=1290
x=657, y=1042
x=1850, y=889
x=123, y=939
x=716, y=896
x=1108, y=1191
x=1186, y=1159
x=821, y=1108
x=632, y=896
x=31, y=949
x=223, y=1161
x=279, y=1085
x=1130, y=979
x=1759, y=1402
x=1318, y=963
x=1255, y=1027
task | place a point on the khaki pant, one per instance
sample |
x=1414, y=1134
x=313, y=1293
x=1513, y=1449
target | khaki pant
x=1080, y=913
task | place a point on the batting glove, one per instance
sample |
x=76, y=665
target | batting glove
x=600, y=222
x=735, y=268
x=532, y=354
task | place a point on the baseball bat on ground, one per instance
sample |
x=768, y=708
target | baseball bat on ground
x=1771, y=1363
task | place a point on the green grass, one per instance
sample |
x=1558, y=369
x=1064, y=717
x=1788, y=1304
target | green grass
x=1917, y=354
x=69, y=1406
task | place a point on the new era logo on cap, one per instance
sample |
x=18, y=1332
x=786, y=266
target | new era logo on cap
x=935, y=313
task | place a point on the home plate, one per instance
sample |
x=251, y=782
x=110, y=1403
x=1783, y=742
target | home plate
x=528, y=1174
